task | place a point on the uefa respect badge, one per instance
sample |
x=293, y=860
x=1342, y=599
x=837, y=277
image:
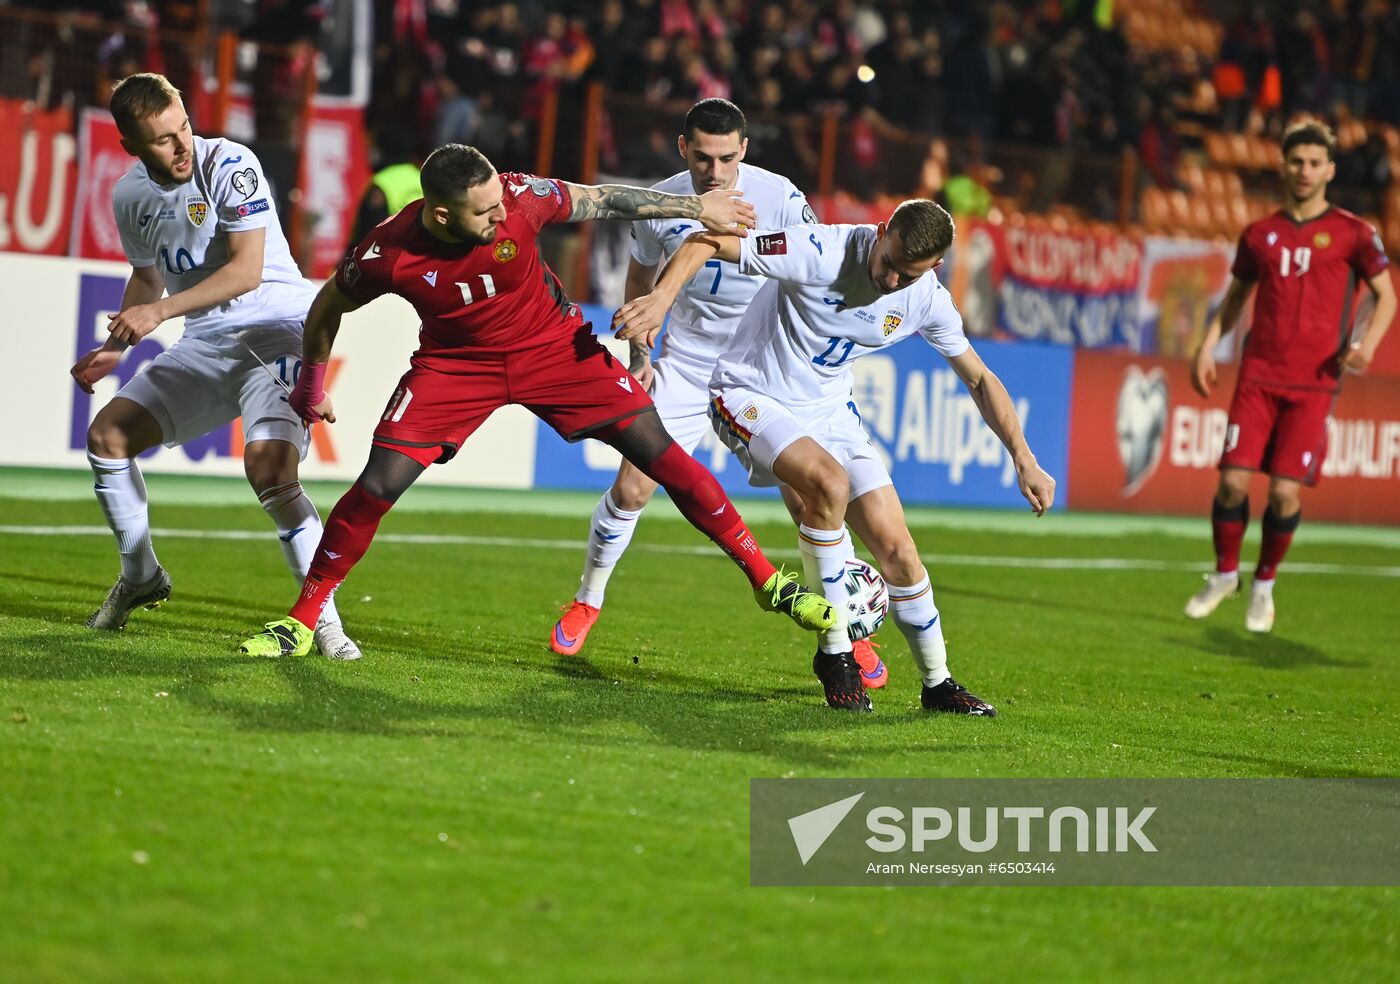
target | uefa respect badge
x=934, y=832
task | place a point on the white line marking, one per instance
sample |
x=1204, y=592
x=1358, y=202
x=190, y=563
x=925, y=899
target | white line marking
x=949, y=560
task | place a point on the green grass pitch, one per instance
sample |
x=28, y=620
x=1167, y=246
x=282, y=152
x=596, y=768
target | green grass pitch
x=464, y=805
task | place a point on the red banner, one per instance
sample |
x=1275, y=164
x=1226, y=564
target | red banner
x=1141, y=440
x=334, y=174
x=101, y=163
x=37, y=176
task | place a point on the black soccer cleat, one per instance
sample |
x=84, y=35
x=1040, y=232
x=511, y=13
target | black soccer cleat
x=953, y=698
x=840, y=677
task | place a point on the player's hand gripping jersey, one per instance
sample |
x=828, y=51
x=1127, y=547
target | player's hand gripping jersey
x=184, y=230
x=473, y=300
x=708, y=308
x=1307, y=276
x=821, y=311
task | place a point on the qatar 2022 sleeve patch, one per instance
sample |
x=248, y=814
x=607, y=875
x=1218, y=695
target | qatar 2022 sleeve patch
x=773, y=244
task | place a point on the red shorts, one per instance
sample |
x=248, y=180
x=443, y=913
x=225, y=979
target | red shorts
x=575, y=387
x=1279, y=431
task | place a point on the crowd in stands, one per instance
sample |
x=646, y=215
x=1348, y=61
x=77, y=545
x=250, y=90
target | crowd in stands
x=1087, y=77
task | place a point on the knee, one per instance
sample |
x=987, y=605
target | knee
x=823, y=496
x=633, y=489
x=268, y=468
x=107, y=440
x=1232, y=490
x=898, y=559
x=1284, y=502
x=827, y=490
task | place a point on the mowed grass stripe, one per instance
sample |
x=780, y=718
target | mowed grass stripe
x=948, y=560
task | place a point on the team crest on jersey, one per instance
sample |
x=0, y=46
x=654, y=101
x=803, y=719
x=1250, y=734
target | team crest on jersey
x=351, y=272
x=1322, y=240
x=505, y=251
x=750, y=413
x=891, y=323
x=197, y=209
x=772, y=245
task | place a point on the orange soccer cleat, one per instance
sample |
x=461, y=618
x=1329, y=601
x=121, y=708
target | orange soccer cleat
x=873, y=672
x=572, y=629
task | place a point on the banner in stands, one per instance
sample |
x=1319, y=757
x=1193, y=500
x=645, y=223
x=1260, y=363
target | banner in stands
x=1141, y=440
x=101, y=163
x=1183, y=282
x=1041, y=283
x=918, y=414
x=37, y=178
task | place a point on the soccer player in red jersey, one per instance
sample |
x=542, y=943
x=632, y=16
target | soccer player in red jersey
x=1305, y=260
x=498, y=329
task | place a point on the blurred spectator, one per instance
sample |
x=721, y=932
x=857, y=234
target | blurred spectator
x=1158, y=146
x=395, y=182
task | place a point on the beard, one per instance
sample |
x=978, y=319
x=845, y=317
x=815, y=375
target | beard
x=459, y=231
x=163, y=174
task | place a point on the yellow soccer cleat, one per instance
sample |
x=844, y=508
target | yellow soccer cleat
x=284, y=637
x=781, y=593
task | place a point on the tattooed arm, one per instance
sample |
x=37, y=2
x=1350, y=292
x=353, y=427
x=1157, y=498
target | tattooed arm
x=720, y=210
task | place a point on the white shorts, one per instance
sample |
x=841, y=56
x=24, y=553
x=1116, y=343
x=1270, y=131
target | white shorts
x=758, y=429
x=199, y=384
x=681, y=393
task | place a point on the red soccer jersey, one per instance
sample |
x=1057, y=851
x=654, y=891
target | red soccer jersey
x=473, y=300
x=1306, y=274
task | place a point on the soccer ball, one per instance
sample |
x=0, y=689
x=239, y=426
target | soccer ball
x=867, y=599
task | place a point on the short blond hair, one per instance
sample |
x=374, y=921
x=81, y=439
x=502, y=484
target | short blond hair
x=139, y=97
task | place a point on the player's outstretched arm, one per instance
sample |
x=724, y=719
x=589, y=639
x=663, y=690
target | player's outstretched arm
x=640, y=280
x=1357, y=358
x=308, y=397
x=242, y=273
x=721, y=210
x=1203, y=359
x=995, y=405
x=642, y=318
x=144, y=286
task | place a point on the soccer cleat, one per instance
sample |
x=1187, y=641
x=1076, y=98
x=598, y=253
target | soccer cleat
x=125, y=598
x=953, y=698
x=782, y=593
x=333, y=643
x=1260, y=617
x=840, y=677
x=284, y=637
x=572, y=629
x=873, y=672
x=1218, y=587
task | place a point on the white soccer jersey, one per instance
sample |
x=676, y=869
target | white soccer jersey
x=184, y=230
x=708, y=308
x=820, y=311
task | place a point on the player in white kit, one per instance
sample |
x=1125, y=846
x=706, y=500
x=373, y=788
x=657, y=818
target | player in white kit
x=781, y=399
x=198, y=224
x=712, y=143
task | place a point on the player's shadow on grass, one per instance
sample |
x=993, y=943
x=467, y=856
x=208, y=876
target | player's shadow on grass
x=89, y=655
x=583, y=710
x=1272, y=767
x=1055, y=603
x=1264, y=649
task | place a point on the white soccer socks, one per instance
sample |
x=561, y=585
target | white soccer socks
x=917, y=616
x=608, y=536
x=299, y=529
x=121, y=492
x=824, y=555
